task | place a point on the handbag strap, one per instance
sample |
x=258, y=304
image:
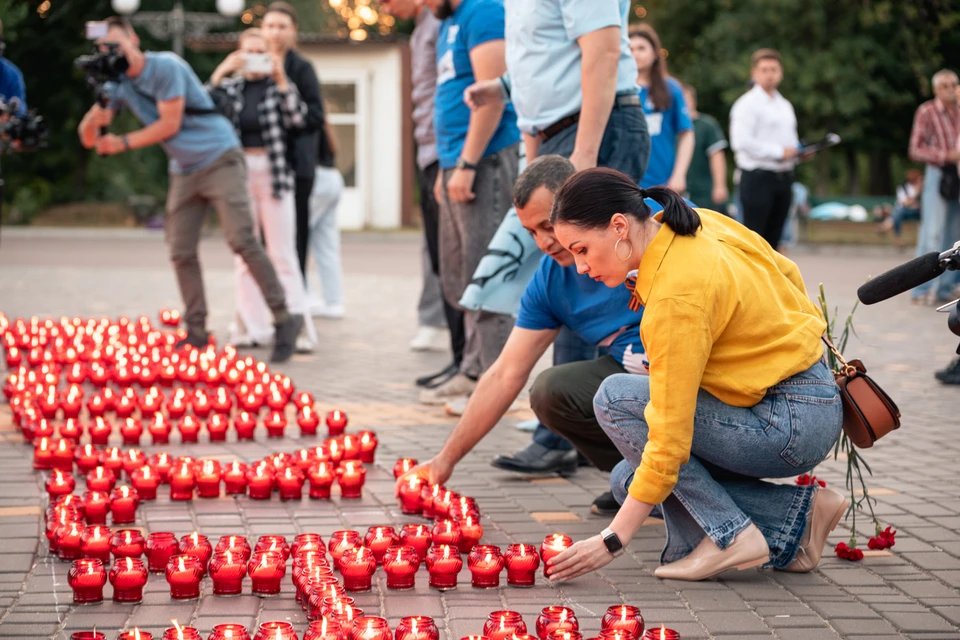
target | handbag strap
x=847, y=369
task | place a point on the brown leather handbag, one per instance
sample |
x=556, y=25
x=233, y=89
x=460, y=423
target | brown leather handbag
x=868, y=412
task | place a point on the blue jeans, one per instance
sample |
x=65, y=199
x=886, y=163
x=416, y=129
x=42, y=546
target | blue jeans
x=325, y=234
x=719, y=491
x=939, y=229
x=901, y=214
x=567, y=347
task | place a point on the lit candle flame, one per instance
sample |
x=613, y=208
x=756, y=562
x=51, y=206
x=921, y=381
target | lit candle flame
x=136, y=633
x=129, y=564
x=182, y=566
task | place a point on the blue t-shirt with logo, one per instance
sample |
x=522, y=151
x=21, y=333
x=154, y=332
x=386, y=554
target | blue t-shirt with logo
x=664, y=127
x=560, y=297
x=166, y=76
x=473, y=23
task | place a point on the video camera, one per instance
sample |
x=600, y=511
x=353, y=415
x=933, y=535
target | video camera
x=912, y=274
x=19, y=133
x=107, y=63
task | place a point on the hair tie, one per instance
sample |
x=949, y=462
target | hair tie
x=643, y=193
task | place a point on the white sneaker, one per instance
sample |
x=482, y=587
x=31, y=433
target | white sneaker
x=304, y=344
x=458, y=385
x=320, y=309
x=237, y=336
x=430, y=339
x=528, y=425
x=456, y=407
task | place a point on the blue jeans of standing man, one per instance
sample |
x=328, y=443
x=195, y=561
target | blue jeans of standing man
x=939, y=229
x=567, y=347
x=719, y=492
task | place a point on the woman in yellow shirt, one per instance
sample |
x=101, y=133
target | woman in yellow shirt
x=738, y=388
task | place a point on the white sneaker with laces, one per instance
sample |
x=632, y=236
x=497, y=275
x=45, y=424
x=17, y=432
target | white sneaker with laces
x=320, y=309
x=430, y=339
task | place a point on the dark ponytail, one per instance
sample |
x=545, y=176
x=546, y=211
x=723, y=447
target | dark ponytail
x=589, y=199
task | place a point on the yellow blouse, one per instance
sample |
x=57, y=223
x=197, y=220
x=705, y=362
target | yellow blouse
x=723, y=312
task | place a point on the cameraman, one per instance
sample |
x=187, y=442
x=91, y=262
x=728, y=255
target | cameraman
x=206, y=168
x=11, y=80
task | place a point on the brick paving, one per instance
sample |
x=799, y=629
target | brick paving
x=363, y=366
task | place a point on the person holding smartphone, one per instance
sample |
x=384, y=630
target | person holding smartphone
x=263, y=106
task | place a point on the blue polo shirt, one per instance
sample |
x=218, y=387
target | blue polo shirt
x=165, y=76
x=544, y=58
x=664, y=127
x=11, y=85
x=560, y=297
x=473, y=23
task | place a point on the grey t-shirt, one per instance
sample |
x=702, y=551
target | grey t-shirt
x=166, y=76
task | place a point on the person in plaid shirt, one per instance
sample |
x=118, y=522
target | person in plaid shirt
x=263, y=108
x=933, y=141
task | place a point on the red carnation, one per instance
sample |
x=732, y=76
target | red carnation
x=883, y=540
x=807, y=480
x=846, y=553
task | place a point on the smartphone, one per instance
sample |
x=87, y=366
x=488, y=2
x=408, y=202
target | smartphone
x=96, y=29
x=260, y=63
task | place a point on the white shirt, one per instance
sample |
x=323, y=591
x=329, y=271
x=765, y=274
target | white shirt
x=760, y=127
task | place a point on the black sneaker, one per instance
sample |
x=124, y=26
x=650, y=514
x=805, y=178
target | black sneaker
x=195, y=339
x=436, y=379
x=285, y=338
x=539, y=460
x=950, y=375
x=605, y=505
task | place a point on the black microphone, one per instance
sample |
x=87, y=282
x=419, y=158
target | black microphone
x=900, y=279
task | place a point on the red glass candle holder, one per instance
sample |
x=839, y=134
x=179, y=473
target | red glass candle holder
x=55, y=518
x=357, y=567
x=229, y=631
x=71, y=430
x=182, y=481
x=417, y=536
x=87, y=577
x=323, y=629
x=189, y=429
x=471, y=531
x=275, y=422
x=87, y=635
x=370, y=628
x=96, y=505
x=402, y=466
x=522, y=562
x=123, y=505
x=417, y=628
x=276, y=630
x=308, y=421
x=99, y=430
x=447, y=532
x=444, y=564
x=341, y=542
x=95, y=543
x=552, y=546
x=443, y=503
x=336, y=422
x=555, y=617
x=290, y=483
x=368, y=443
x=43, y=454
x=485, y=563
x=321, y=476
x=501, y=625
x=62, y=455
x=159, y=429
x=379, y=539
x=162, y=464
x=624, y=617
x=131, y=460
x=245, y=423
x=86, y=458
x=183, y=573
x=235, y=478
x=69, y=539
x=410, y=492
x=60, y=483
x=237, y=544
x=227, y=569
x=207, y=479
x=321, y=587
x=266, y=570
x=101, y=479
x=277, y=544
x=181, y=633
x=145, y=480
x=135, y=634
x=160, y=547
x=564, y=634
x=661, y=634
x=128, y=577
x=217, y=427
x=401, y=563
x=307, y=542
x=351, y=476
x=618, y=634
x=131, y=430
x=260, y=483
x=351, y=447
x=199, y=546
x=127, y=543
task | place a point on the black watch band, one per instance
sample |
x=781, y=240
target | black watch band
x=612, y=542
x=463, y=164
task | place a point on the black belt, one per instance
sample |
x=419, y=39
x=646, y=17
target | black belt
x=622, y=100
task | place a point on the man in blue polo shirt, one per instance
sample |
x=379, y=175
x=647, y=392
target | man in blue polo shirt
x=557, y=297
x=478, y=155
x=11, y=80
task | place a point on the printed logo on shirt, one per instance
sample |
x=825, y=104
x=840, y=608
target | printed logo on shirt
x=452, y=33
x=654, y=123
x=635, y=362
x=446, y=70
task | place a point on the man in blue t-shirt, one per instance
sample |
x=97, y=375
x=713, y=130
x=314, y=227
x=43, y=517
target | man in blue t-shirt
x=557, y=297
x=206, y=169
x=11, y=80
x=478, y=155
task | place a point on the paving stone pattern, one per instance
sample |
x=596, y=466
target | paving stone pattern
x=363, y=366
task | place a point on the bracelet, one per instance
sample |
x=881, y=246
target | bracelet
x=126, y=142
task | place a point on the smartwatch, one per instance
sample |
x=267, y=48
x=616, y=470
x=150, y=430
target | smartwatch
x=612, y=542
x=463, y=164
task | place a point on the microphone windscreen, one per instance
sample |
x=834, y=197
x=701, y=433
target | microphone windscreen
x=900, y=279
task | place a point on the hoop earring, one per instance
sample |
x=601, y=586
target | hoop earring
x=616, y=251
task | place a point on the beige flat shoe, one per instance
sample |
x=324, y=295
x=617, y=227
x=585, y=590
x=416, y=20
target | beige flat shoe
x=828, y=507
x=749, y=549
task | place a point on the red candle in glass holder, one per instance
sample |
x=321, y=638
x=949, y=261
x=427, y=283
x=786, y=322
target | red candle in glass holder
x=123, y=505
x=417, y=536
x=444, y=564
x=379, y=539
x=197, y=545
x=471, y=532
x=130, y=430
x=201, y=404
x=351, y=476
x=177, y=632
x=321, y=476
x=159, y=428
x=555, y=618
x=221, y=402
x=182, y=480
x=125, y=406
x=96, y=405
x=133, y=459
x=318, y=589
x=87, y=457
x=485, y=563
x=402, y=466
x=368, y=446
x=290, y=483
x=71, y=430
x=99, y=430
x=501, y=625
x=112, y=459
x=151, y=402
x=660, y=634
x=552, y=546
x=162, y=464
x=401, y=564
x=60, y=483
x=447, y=532
x=417, y=628
x=342, y=541
x=95, y=543
x=176, y=407
x=522, y=562
x=96, y=505
x=277, y=544
x=183, y=573
x=357, y=567
x=336, y=422
x=160, y=547
x=69, y=538
x=410, y=492
x=135, y=634
x=227, y=569
x=276, y=630
x=217, y=427
x=332, y=450
x=623, y=617
x=235, y=478
x=616, y=634
x=43, y=454
x=351, y=447
x=128, y=577
x=323, y=629
x=370, y=628
x=237, y=544
x=229, y=631
x=266, y=570
x=208, y=479
x=276, y=400
x=564, y=634
x=62, y=455
x=145, y=480
x=127, y=543
x=189, y=429
x=307, y=542
x=275, y=422
x=87, y=577
x=308, y=421
x=260, y=482
x=72, y=405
